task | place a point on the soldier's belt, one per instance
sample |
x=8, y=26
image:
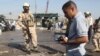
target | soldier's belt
x=31, y=26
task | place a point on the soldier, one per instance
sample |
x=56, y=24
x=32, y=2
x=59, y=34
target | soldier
x=26, y=22
x=96, y=36
x=90, y=22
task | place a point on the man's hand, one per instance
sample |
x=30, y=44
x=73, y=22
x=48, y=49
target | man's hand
x=65, y=39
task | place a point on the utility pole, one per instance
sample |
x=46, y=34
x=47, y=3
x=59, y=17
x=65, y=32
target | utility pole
x=47, y=7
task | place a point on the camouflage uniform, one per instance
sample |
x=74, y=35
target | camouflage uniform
x=97, y=31
x=26, y=22
x=96, y=36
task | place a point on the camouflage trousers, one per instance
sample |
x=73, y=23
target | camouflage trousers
x=97, y=35
x=30, y=38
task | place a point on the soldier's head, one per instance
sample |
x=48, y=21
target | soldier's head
x=69, y=9
x=87, y=14
x=26, y=7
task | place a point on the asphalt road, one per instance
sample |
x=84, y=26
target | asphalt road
x=12, y=43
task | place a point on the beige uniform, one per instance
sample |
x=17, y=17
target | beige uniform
x=26, y=22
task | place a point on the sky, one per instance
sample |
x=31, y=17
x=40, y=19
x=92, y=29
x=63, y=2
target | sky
x=55, y=6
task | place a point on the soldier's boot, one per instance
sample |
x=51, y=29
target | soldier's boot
x=96, y=45
x=35, y=49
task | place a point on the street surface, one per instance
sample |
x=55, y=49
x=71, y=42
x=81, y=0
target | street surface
x=12, y=44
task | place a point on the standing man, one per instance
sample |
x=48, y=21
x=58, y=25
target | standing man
x=96, y=37
x=26, y=22
x=78, y=31
x=90, y=22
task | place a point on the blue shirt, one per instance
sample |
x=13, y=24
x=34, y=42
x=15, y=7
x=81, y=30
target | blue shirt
x=77, y=28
